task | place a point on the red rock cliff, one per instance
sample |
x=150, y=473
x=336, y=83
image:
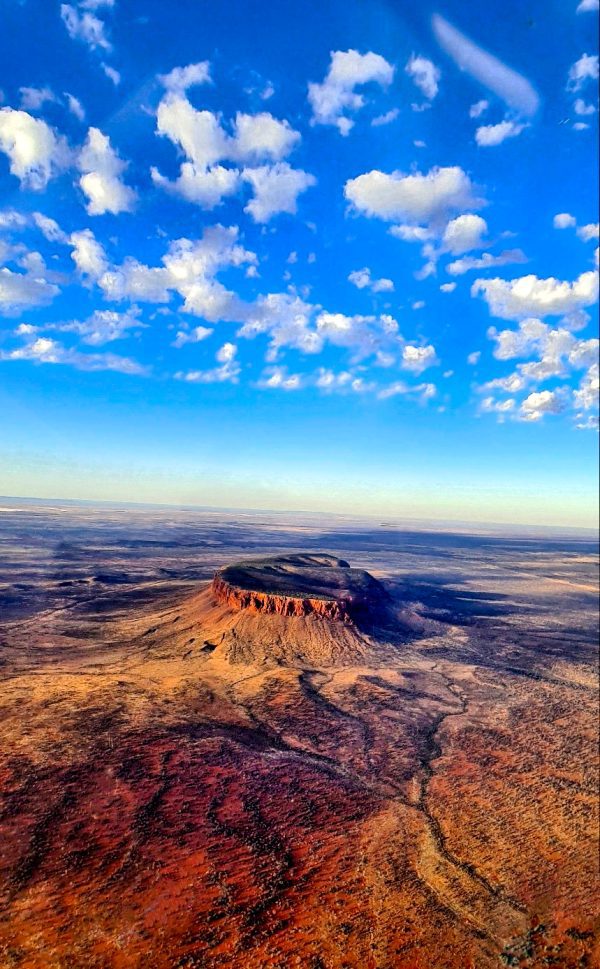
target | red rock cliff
x=282, y=605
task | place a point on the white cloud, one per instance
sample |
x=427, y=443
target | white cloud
x=411, y=233
x=490, y=405
x=531, y=296
x=84, y=27
x=276, y=189
x=479, y=108
x=582, y=71
x=182, y=78
x=473, y=358
x=189, y=269
x=464, y=233
x=36, y=153
x=582, y=108
x=261, y=136
x=21, y=291
x=194, y=336
x=514, y=89
x=448, y=287
x=494, y=134
x=564, y=220
x=362, y=279
x=103, y=326
x=399, y=388
x=588, y=6
x=589, y=232
x=486, y=261
x=88, y=255
x=278, y=378
x=541, y=402
x=75, y=107
x=197, y=133
x=34, y=98
x=418, y=359
x=336, y=95
x=45, y=350
x=424, y=74
x=586, y=396
x=387, y=118
x=101, y=181
x=49, y=228
x=205, y=143
x=227, y=372
x=207, y=187
x=112, y=74
x=412, y=198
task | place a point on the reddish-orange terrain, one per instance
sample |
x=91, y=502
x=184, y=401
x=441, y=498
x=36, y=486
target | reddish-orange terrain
x=401, y=772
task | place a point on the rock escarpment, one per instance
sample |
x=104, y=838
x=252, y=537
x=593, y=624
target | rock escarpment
x=298, y=585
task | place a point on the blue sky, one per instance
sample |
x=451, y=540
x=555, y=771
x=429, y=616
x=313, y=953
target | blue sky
x=336, y=256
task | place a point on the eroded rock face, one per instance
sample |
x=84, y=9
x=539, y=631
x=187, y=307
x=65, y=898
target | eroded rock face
x=297, y=585
x=281, y=605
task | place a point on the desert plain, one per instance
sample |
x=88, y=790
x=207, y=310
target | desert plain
x=189, y=780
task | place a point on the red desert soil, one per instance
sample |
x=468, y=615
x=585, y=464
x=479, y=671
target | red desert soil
x=308, y=772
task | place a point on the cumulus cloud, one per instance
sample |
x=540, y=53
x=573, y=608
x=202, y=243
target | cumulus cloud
x=588, y=6
x=425, y=75
x=418, y=359
x=278, y=378
x=21, y=291
x=586, y=396
x=193, y=336
x=203, y=178
x=448, y=287
x=36, y=153
x=541, y=402
x=494, y=134
x=276, y=189
x=414, y=198
x=49, y=228
x=101, y=180
x=514, y=89
x=490, y=405
x=103, y=326
x=189, y=268
x=362, y=279
x=583, y=70
x=85, y=27
x=531, y=296
x=424, y=392
x=588, y=233
x=45, y=350
x=34, y=98
x=227, y=371
x=337, y=95
x=564, y=220
x=182, y=78
x=88, y=254
x=261, y=136
x=581, y=107
x=464, y=233
x=206, y=187
x=479, y=108
x=486, y=261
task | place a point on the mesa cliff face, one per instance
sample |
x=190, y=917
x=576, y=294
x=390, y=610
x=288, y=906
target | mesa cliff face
x=281, y=605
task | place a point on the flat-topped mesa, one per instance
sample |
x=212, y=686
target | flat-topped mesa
x=298, y=585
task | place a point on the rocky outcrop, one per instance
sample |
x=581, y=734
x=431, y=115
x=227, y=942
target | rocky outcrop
x=281, y=605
